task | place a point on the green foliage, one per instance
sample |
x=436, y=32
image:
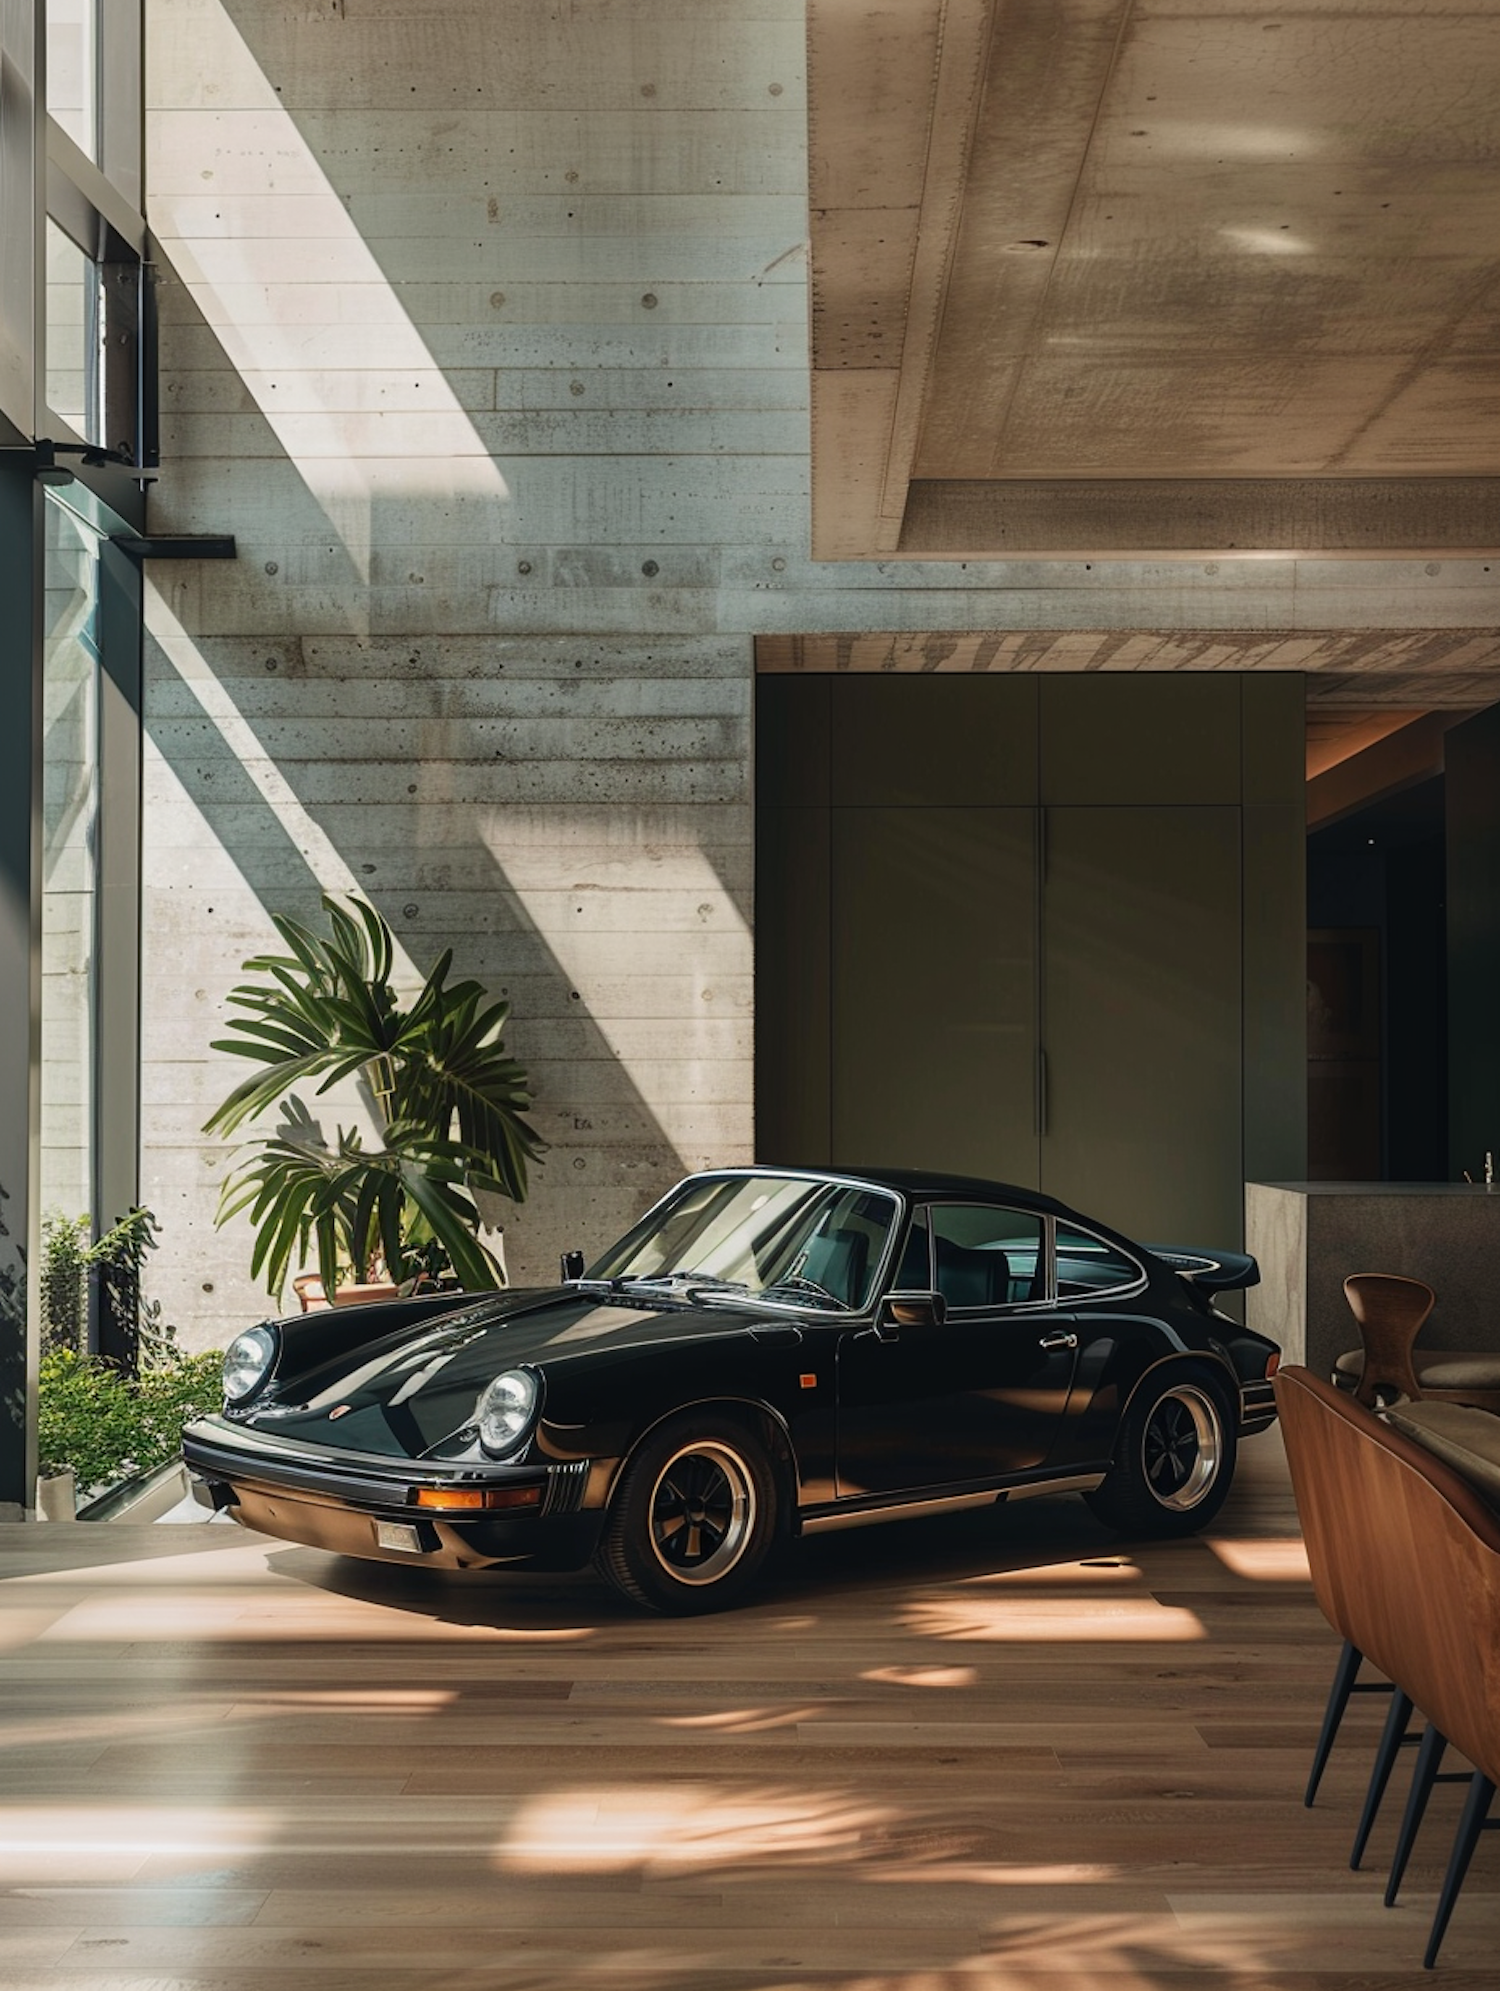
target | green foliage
x=449, y=1100
x=12, y=1322
x=108, y=1426
x=120, y=1255
x=65, y=1302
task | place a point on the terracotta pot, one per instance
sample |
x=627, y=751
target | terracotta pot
x=309, y=1290
x=356, y=1295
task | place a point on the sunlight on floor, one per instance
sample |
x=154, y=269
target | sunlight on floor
x=1267, y=1561
x=39, y=1840
x=741, y=1721
x=618, y=1828
x=1012, y=1619
x=922, y=1676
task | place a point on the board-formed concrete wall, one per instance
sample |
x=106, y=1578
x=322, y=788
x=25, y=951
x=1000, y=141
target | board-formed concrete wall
x=484, y=330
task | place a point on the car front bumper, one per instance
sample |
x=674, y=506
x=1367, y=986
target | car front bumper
x=369, y=1507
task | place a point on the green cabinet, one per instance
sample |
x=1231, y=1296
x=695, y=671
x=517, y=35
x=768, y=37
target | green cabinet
x=1046, y=931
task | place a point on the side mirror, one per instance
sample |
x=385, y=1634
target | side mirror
x=572, y=1266
x=898, y=1310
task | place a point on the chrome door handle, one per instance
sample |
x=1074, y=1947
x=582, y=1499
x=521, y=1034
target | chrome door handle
x=1060, y=1339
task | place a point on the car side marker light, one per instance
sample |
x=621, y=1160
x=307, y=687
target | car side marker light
x=460, y=1499
x=808, y=1382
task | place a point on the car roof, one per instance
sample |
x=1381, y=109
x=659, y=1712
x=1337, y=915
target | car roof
x=918, y=1183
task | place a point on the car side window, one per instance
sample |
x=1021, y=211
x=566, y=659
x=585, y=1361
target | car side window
x=914, y=1273
x=1087, y=1265
x=986, y=1256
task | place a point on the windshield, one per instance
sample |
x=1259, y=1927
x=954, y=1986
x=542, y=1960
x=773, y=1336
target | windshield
x=822, y=1243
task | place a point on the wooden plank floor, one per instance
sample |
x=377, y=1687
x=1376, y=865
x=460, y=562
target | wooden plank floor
x=997, y=1750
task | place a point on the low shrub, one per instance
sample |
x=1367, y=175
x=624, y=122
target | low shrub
x=107, y=1426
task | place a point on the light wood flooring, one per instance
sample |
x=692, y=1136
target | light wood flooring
x=996, y=1750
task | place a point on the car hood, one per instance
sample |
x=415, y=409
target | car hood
x=410, y=1392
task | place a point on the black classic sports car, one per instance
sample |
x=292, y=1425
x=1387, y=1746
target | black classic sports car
x=769, y=1352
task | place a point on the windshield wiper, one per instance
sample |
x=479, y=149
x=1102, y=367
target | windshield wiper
x=794, y=1282
x=685, y=1280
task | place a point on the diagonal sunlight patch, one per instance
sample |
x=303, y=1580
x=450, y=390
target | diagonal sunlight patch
x=289, y=314
x=923, y=1676
x=740, y=1721
x=1273, y=1560
x=1015, y=1620
x=974, y=1873
x=664, y=1830
x=317, y=849
x=657, y=884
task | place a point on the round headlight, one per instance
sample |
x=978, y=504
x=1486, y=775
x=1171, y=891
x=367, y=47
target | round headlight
x=505, y=1411
x=247, y=1363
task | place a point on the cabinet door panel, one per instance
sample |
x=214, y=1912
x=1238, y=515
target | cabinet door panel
x=933, y=974
x=1142, y=1019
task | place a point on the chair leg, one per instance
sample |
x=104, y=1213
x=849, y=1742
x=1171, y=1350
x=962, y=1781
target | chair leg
x=1392, y=1737
x=1476, y=1808
x=1333, y=1714
x=1423, y=1777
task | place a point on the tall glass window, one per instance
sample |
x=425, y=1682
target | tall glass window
x=73, y=71
x=73, y=346
x=69, y=861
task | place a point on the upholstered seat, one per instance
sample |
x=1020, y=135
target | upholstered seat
x=1405, y=1561
x=1461, y=1436
x=1450, y=1373
x=1391, y=1312
x=836, y=1260
x=969, y=1278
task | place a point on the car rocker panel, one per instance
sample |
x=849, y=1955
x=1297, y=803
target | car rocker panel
x=671, y=1420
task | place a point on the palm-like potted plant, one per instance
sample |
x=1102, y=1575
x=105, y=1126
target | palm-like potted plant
x=448, y=1100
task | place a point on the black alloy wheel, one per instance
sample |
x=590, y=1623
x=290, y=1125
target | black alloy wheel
x=1175, y=1462
x=702, y=1511
x=695, y=1515
x=1180, y=1449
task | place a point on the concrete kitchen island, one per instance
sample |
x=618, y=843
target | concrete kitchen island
x=1309, y=1236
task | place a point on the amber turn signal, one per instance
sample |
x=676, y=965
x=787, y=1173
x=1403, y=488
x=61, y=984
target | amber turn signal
x=464, y=1499
x=1273, y=1363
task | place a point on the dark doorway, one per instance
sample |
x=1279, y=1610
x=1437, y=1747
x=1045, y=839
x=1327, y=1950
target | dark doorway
x=1377, y=993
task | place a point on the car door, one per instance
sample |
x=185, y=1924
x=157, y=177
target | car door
x=977, y=1398
x=1104, y=1291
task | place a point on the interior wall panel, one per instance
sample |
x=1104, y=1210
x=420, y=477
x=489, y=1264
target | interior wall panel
x=938, y=741
x=932, y=985
x=1141, y=1018
x=1105, y=1000
x=1137, y=738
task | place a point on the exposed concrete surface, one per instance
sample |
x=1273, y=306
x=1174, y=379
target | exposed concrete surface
x=489, y=343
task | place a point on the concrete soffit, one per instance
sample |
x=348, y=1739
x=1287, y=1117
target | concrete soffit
x=1122, y=280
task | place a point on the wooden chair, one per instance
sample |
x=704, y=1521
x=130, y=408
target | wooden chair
x=1391, y=1312
x=1407, y=1555
x=1362, y=1640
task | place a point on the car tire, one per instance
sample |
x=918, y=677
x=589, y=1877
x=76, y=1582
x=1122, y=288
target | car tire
x=694, y=1517
x=1175, y=1461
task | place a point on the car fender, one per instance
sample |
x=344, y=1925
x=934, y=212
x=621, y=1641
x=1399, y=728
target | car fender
x=774, y=1428
x=1187, y=1359
x=1138, y=1346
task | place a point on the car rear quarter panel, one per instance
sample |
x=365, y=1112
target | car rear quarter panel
x=1119, y=1347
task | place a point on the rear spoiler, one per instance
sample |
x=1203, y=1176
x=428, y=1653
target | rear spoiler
x=1213, y=1271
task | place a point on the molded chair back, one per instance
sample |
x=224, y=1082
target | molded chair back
x=1391, y=1312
